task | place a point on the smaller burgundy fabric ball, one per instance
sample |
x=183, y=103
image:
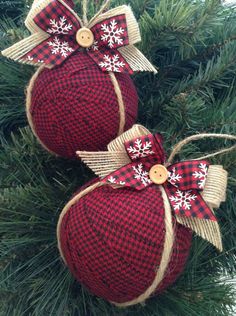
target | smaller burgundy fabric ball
x=75, y=107
x=113, y=241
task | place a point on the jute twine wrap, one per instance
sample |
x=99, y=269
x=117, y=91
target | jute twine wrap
x=103, y=163
x=28, y=105
x=136, y=60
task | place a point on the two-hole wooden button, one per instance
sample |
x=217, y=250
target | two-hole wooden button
x=85, y=37
x=158, y=174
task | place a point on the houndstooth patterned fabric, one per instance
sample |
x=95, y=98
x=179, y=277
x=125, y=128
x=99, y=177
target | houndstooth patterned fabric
x=113, y=240
x=74, y=106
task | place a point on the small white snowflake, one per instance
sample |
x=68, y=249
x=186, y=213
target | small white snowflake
x=60, y=27
x=61, y=48
x=30, y=58
x=183, y=200
x=140, y=149
x=114, y=181
x=174, y=177
x=40, y=61
x=94, y=47
x=201, y=175
x=112, y=34
x=112, y=63
x=111, y=180
x=141, y=175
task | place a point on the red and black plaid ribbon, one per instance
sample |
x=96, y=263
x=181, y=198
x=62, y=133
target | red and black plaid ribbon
x=61, y=23
x=185, y=179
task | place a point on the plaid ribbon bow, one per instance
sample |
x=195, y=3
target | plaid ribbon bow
x=55, y=25
x=185, y=179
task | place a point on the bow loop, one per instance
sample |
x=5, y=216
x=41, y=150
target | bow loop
x=188, y=175
x=57, y=19
x=108, y=38
x=112, y=32
x=148, y=146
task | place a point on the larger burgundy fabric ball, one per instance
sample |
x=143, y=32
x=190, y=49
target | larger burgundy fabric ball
x=112, y=241
x=75, y=107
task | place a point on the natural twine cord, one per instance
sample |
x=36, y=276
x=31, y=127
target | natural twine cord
x=120, y=102
x=102, y=9
x=187, y=140
x=85, y=8
x=68, y=206
x=28, y=105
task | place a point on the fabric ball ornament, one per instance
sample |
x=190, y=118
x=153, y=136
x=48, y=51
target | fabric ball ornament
x=125, y=237
x=113, y=242
x=82, y=96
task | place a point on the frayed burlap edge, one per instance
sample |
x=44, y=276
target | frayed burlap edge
x=105, y=162
x=20, y=49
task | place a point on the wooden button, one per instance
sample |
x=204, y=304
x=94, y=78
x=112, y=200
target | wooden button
x=84, y=37
x=158, y=174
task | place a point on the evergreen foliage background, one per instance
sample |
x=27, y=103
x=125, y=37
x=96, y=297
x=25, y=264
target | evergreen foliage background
x=193, y=43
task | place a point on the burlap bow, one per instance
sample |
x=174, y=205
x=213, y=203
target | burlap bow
x=183, y=184
x=54, y=26
x=193, y=188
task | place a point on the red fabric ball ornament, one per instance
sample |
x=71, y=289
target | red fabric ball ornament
x=75, y=106
x=86, y=97
x=113, y=242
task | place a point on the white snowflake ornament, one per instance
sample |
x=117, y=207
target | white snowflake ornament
x=140, y=149
x=112, y=33
x=113, y=180
x=201, y=175
x=112, y=63
x=141, y=174
x=174, y=177
x=58, y=47
x=60, y=27
x=182, y=199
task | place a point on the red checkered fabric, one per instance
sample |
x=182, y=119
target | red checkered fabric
x=185, y=179
x=62, y=25
x=145, y=147
x=43, y=52
x=53, y=12
x=74, y=106
x=184, y=194
x=118, y=23
x=113, y=242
